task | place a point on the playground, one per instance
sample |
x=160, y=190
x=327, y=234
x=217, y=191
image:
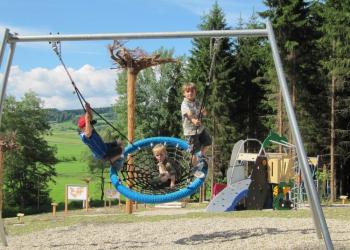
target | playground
x=137, y=173
x=151, y=152
x=181, y=228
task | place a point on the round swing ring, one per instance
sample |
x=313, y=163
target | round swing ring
x=155, y=198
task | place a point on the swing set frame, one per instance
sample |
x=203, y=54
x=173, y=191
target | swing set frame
x=8, y=39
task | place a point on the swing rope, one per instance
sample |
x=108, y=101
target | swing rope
x=216, y=47
x=56, y=46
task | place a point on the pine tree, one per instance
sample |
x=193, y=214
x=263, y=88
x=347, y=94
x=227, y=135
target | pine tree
x=250, y=57
x=294, y=26
x=336, y=63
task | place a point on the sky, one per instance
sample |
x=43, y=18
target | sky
x=35, y=66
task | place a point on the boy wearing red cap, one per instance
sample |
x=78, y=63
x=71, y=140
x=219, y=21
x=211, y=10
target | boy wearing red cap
x=112, y=152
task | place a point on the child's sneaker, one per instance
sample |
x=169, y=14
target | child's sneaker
x=197, y=171
x=202, y=163
x=199, y=174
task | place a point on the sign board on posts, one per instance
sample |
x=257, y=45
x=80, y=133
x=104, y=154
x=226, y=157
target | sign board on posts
x=77, y=193
x=112, y=194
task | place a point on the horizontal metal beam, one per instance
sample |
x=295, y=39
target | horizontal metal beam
x=14, y=38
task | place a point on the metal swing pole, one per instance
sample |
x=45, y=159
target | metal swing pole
x=314, y=201
x=3, y=42
x=5, y=77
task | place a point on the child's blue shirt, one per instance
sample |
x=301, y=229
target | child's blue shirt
x=96, y=144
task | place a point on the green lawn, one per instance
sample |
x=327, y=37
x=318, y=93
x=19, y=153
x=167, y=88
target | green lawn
x=73, y=169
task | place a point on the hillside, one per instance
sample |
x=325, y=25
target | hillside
x=58, y=116
x=63, y=120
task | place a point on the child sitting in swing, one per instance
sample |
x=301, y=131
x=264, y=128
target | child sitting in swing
x=112, y=151
x=167, y=170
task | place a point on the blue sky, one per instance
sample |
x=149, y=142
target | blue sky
x=36, y=67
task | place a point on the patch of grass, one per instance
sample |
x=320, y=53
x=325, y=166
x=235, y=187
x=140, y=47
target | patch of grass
x=35, y=223
x=67, y=173
x=68, y=144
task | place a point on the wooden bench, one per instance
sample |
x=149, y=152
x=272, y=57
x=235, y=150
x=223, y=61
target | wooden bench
x=20, y=217
x=343, y=198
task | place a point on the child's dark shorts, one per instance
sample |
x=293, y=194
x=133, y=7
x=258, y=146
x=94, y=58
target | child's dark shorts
x=113, y=149
x=196, y=142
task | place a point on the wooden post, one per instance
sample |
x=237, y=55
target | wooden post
x=66, y=200
x=20, y=217
x=131, y=93
x=133, y=61
x=54, y=205
x=87, y=197
x=343, y=198
x=109, y=199
x=212, y=176
x=87, y=181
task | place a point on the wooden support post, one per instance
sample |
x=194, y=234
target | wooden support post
x=54, y=205
x=87, y=181
x=212, y=163
x=20, y=218
x=133, y=61
x=131, y=93
x=343, y=199
x=66, y=200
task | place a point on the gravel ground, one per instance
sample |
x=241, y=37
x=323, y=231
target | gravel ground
x=201, y=233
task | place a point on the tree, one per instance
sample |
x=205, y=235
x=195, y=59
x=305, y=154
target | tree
x=336, y=63
x=158, y=96
x=295, y=28
x=251, y=57
x=30, y=167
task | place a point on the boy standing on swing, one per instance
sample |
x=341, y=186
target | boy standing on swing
x=197, y=136
x=112, y=151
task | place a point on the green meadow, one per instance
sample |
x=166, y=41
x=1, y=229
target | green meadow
x=71, y=169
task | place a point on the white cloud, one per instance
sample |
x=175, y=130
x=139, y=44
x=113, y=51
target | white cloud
x=22, y=30
x=54, y=87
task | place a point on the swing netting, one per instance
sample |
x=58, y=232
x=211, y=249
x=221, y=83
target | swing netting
x=140, y=170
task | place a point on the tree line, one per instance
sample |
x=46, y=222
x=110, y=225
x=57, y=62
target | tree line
x=58, y=116
x=243, y=101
